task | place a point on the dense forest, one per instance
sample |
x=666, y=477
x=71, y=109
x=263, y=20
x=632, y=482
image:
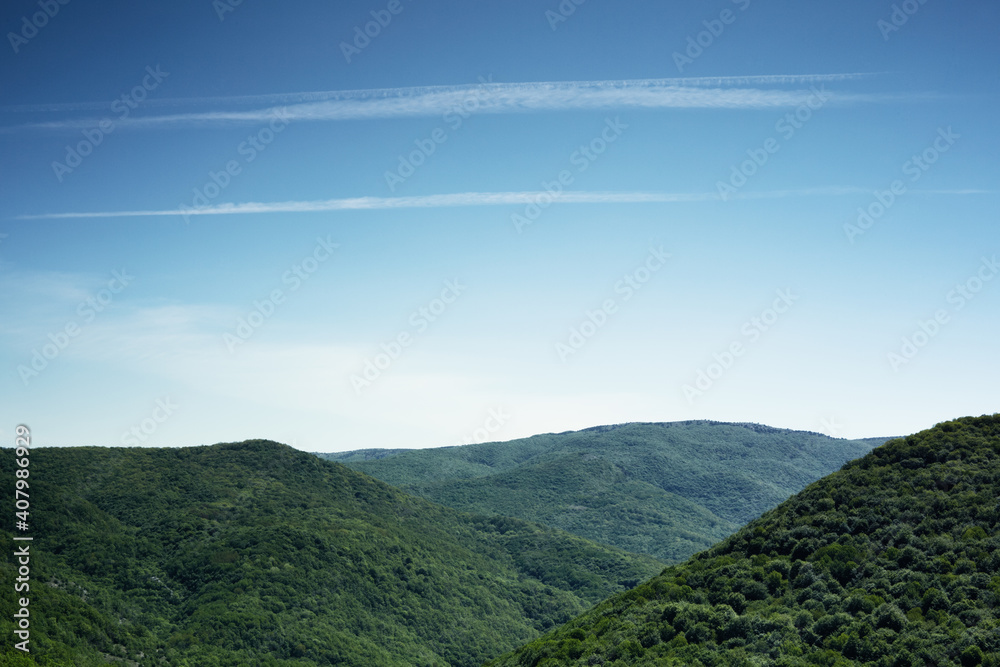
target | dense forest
x=668, y=490
x=257, y=554
x=894, y=561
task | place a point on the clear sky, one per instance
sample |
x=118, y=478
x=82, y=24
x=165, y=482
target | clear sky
x=394, y=223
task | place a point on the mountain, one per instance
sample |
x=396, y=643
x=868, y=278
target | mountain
x=667, y=490
x=257, y=554
x=892, y=561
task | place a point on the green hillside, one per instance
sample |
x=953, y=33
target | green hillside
x=893, y=561
x=668, y=490
x=256, y=554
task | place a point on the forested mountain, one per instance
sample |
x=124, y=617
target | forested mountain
x=256, y=554
x=894, y=561
x=668, y=490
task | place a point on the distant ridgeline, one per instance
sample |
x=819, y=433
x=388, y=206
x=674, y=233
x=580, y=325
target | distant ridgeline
x=257, y=554
x=893, y=561
x=667, y=490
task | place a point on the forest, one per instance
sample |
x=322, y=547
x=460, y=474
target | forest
x=254, y=553
x=668, y=490
x=891, y=562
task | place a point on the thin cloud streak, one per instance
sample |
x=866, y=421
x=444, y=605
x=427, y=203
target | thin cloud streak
x=502, y=98
x=322, y=95
x=380, y=203
x=471, y=199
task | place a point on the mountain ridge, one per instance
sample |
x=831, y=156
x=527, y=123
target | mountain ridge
x=667, y=489
x=892, y=561
x=385, y=452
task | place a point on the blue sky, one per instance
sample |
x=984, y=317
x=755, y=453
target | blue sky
x=490, y=220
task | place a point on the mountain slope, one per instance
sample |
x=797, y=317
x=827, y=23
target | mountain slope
x=892, y=561
x=254, y=553
x=668, y=490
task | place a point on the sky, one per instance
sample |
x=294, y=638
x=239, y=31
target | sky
x=394, y=223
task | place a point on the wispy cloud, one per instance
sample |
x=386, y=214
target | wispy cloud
x=752, y=92
x=421, y=201
x=470, y=199
x=325, y=95
x=49, y=287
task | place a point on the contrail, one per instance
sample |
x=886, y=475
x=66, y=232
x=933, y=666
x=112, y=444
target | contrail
x=478, y=199
x=463, y=199
x=373, y=203
x=494, y=98
x=317, y=96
